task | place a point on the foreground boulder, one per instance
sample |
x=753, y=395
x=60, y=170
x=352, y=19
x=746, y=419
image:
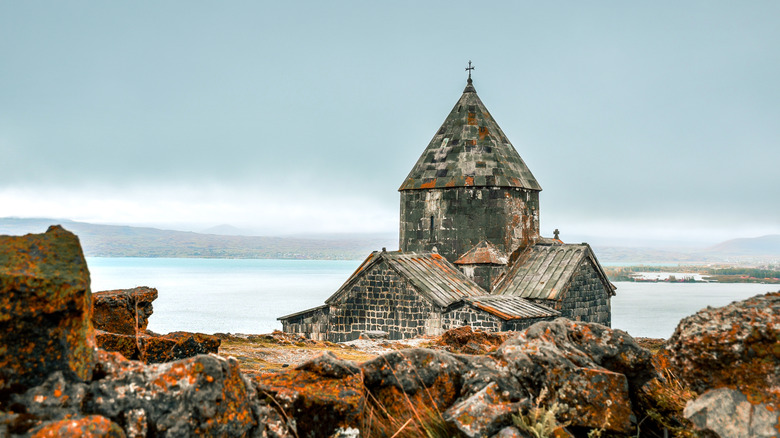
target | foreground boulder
x=588, y=370
x=731, y=356
x=200, y=396
x=45, y=309
x=123, y=311
x=325, y=395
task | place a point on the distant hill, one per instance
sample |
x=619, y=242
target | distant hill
x=227, y=230
x=220, y=242
x=126, y=241
x=755, y=246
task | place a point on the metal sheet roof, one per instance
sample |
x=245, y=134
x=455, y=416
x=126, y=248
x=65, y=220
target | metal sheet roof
x=543, y=271
x=483, y=253
x=303, y=312
x=433, y=276
x=508, y=307
x=470, y=149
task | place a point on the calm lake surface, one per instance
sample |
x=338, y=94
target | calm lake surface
x=246, y=296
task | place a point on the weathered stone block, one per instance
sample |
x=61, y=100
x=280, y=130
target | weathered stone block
x=45, y=308
x=124, y=311
x=157, y=349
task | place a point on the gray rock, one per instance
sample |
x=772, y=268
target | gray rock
x=727, y=413
x=484, y=413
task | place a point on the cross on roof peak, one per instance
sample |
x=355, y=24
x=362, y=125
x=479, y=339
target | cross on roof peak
x=468, y=69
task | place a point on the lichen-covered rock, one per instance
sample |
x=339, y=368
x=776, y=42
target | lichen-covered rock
x=93, y=426
x=126, y=345
x=483, y=413
x=123, y=311
x=203, y=395
x=322, y=395
x=736, y=346
x=727, y=413
x=150, y=348
x=45, y=309
x=187, y=345
x=590, y=369
x=467, y=341
x=55, y=398
x=401, y=380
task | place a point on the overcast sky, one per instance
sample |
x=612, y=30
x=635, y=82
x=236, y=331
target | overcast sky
x=658, y=120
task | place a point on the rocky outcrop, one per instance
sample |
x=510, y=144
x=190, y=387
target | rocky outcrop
x=45, y=309
x=54, y=382
x=151, y=348
x=121, y=317
x=731, y=356
x=123, y=311
x=199, y=396
x=565, y=377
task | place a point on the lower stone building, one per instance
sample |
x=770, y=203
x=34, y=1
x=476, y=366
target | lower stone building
x=407, y=294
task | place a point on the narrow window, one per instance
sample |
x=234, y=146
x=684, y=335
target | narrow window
x=432, y=236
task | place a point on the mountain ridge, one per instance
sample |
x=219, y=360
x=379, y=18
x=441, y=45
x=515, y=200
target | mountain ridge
x=100, y=240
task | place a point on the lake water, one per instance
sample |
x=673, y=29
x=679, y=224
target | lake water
x=246, y=296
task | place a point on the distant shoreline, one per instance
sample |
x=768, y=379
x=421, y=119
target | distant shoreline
x=693, y=274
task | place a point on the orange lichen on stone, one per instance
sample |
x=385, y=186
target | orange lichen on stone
x=599, y=399
x=124, y=311
x=428, y=185
x=45, y=308
x=745, y=356
x=325, y=388
x=93, y=426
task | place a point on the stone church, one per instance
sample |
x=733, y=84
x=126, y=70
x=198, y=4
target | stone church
x=470, y=249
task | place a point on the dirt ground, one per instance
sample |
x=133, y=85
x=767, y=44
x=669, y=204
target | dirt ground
x=276, y=351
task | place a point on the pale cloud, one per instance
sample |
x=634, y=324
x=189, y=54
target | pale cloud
x=637, y=119
x=263, y=212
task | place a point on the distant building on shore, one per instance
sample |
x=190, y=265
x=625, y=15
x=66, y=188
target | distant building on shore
x=470, y=249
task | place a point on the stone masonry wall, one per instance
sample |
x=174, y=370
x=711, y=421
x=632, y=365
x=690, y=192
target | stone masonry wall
x=312, y=324
x=522, y=324
x=470, y=316
x=382, y=300
x=586, y=299
x=453, y=220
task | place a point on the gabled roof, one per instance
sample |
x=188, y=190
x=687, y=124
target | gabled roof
x=434, y=277
x=303, y=312
x=470, y=149
x=508, y=307
x=483, y=253
x=545, y=271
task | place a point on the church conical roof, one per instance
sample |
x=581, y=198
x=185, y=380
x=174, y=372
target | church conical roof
x=470, y=149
